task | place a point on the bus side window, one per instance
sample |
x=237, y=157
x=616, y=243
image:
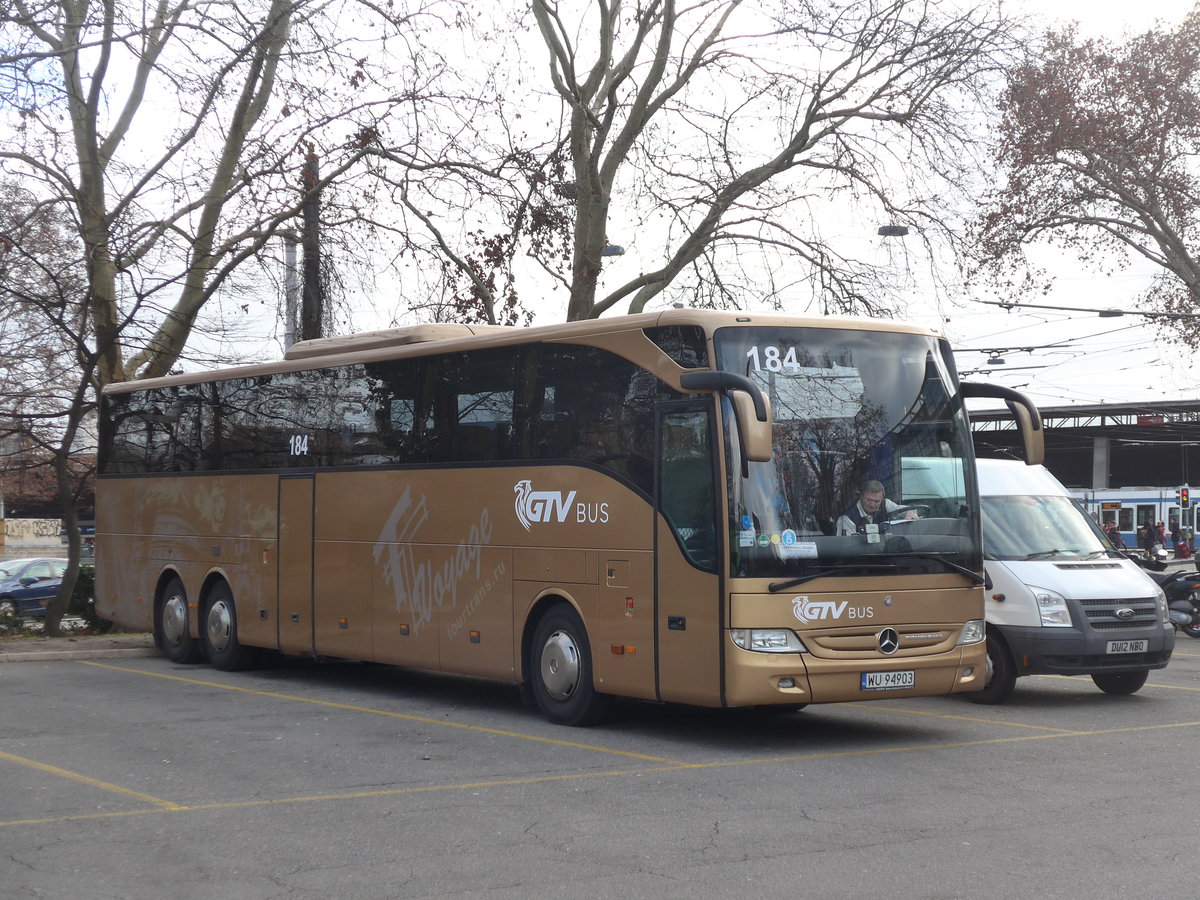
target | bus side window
x=686, y=485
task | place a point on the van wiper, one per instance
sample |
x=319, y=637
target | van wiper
x=828, y=570
x=1046, y=554
x=939, y=557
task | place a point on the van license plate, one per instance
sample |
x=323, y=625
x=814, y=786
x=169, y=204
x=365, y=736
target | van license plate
x=888, y=681
x=1127, y=646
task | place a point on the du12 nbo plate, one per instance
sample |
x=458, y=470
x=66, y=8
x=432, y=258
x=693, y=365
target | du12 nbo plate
x=1127, y=646
x=888, y=681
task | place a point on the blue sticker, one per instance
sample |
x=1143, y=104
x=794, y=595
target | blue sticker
x=747, y=523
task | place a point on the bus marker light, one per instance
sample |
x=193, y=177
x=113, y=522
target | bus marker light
x=266, y=555
x=262, y=614
x=404, y=631
x=618, y=649
x=474, y=635
x=343, y=622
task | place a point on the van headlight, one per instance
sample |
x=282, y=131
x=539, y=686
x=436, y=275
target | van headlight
x=768, y=640
x=972, y=632
x=1160, y=598
x=1052, y=607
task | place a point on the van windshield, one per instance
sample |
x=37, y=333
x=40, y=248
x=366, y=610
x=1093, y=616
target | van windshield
x=1028, y=528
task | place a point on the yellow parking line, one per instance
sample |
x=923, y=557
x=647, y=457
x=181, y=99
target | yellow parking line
x=509, y=782
x=393, y=715
x=575, y=776
x=83, y=779
x=876, y=707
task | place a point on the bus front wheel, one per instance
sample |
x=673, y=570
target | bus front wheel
x=562, y=671
x=171, y=626
x=225, y=651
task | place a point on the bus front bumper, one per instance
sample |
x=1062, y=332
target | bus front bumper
x=767, y=679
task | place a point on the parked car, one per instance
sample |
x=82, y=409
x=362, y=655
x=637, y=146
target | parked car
x=26, y=585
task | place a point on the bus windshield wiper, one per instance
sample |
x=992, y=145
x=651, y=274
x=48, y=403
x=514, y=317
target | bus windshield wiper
x=974, y=576
x=828, y=570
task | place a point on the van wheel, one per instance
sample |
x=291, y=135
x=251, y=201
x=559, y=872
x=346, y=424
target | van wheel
x=1001, y=674
x=225, y=651
x=561, y=663
x=171, y=632
x=1121, y=684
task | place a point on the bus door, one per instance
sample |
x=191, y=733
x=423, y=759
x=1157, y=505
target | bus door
x=295, y=613
x=688, y=611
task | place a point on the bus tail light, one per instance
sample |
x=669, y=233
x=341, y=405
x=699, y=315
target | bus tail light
x=768, y=640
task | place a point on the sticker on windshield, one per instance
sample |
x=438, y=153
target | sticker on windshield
x=799, y=550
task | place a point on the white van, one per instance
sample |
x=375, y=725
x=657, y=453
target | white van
x=1059, y=599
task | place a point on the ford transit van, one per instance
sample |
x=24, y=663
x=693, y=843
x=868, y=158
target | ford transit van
x=1060, y=599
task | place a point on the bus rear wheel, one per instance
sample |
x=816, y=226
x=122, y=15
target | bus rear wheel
x=171, y=631
x=225, y=651
x=561, y=660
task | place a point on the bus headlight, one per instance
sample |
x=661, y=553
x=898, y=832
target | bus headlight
x=768, y=640
x=1052, y=607
x=972, y=633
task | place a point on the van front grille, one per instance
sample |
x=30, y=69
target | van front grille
x=1102, y=614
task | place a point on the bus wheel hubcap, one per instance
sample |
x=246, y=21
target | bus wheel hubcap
x=219, y=625
x=174, y=620
x=560, y=665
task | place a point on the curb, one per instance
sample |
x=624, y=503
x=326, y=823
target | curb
x=54, y=655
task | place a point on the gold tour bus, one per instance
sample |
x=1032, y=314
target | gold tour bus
x=651, y=506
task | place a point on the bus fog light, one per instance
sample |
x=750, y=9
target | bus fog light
x=972, y=632
x=768, y=640
x=787, y=682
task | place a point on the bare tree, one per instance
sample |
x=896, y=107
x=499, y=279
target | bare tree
x=168, y=136
x=1098, y=146
x=731, y=144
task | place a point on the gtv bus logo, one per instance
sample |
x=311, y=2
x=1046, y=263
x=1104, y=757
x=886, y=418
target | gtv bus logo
x=808, y=611
x=541, y=506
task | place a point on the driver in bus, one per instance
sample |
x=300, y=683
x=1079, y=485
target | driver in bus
x=872, y=508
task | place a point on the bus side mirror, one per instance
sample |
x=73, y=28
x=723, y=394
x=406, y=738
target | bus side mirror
x=750, y=406
x=1023, y=410
x=1032, y=435
x=756, y=434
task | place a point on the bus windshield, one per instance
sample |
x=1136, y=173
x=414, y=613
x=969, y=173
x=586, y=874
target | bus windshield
x=872, y=455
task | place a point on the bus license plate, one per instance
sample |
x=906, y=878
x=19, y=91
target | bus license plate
x=888, y=681
x=1127, y=647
